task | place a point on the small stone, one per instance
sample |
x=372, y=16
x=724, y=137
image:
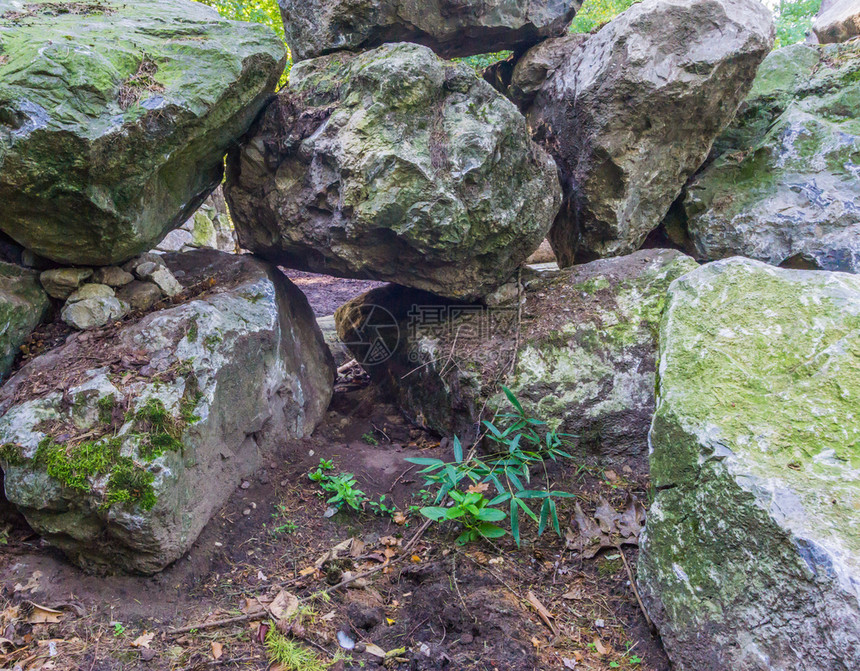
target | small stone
x=166, y=281
x=283, y=483
x=245, y=484
x=62, y=282
x=91, y=291
x=246, y=512
x=145, y=269
x=360, y=647
x=147, y=655
x=466, y=639
x=113, y=276
x=264, y=478
x=141, y=296
x=149, y=257
x=93, y=313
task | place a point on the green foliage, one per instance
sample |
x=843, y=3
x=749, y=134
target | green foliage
x=794, y=20
x=283, y=524
x=342, y=486
x=159, y=430
x=793, y=17
x=483, y=61
x=370, y=439
x=521, y=448
x=289, y=655
x=254, y=11
x=594, y=14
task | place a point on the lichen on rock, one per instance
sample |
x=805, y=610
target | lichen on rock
x=750, y=559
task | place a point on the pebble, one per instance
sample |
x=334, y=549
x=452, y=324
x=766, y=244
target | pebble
x=245, y=484
x=246, y=512
x=264, y=478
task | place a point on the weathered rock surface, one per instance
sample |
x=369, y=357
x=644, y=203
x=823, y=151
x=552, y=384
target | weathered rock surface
x=122, y=471
x=537, y=64
x=210, y=227
x=632, y=114
x=393, y=165
x=23, y=306
x=838, y=23
x=586, y=358
x=751, y=557
x=93, y=306
x=63, y=282
x=115, y=118
x=784, y=185
x=450, y=27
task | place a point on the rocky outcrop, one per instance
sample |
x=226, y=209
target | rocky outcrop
x=838, y=23
x=783, y=185
x=115, y=118
x=121, y=444
x=210, y=227
x=632, y=114
x=582, y=359
x=23, y=306
x=537, y=64
x=450, y=27
x=751, y=556
x=393, y=165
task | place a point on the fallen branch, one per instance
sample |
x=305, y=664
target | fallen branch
x=218, y=623
x=636, y=591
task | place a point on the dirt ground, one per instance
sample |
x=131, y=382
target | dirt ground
x=429, y=603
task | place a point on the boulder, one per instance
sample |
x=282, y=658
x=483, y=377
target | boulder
x=539, y=63
x=112, y=276
x=120, y=445
x=751, y=555
x=23, y=306
x=209, y=227
x=93, y=306
x=451, y=28
x=63, y=282
x=583, y=358
x=393, y=165
x=783, y=186
x=115, y=117
x=633, y=112
x=140, y=296
x=838, y=23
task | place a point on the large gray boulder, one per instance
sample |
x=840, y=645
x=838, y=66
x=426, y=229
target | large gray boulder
x=450, y=27
x=838, y=22
x=119, y=447
x=631, y=114
x=115, y=117
x=783, y=186
x=23, y=306
x=582, y=359
x=393, y=165
x=751, y=556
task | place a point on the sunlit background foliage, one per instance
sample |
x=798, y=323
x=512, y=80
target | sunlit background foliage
x=793, y=19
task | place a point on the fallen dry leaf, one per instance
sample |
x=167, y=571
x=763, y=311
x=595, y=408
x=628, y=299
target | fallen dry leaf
x=284, y=605
x=375, y=650
x=608, y=529
x=544, y=614
x=598, y=645
x=217, y=650
x=143, y=640
x=399, y=518
x=479, y=488
x=43, y=615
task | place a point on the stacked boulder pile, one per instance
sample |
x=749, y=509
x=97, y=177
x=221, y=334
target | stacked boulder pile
x=384, y=160
x=186, y=371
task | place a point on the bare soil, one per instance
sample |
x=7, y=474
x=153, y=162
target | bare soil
x=434, y=605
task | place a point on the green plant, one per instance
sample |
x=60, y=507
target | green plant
x=370, y=439
x=381, y=507
x=286, y=525
x=341, y=485
x=516, y=451
x=118, y=629
x=289, y=655
x=794, y=20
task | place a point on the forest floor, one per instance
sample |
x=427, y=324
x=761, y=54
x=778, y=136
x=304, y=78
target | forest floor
x=427, y=603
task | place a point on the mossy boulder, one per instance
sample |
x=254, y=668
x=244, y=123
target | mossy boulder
x=783, y=185
x=450, y=27
x=115, y=118
x=120, y=445
x=393, y=165
x=751, y=556
x=632, y=112
x=23, y=306
x=582, y=358
x=838, y=23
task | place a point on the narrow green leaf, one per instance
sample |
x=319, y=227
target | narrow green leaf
x=458, y=450
x=544, y=514
x=513, y=399
x=515, y=521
